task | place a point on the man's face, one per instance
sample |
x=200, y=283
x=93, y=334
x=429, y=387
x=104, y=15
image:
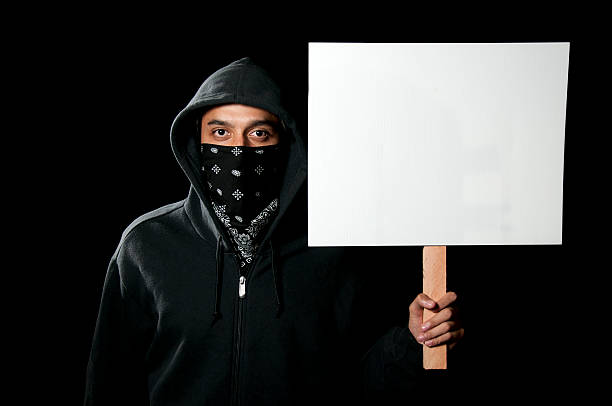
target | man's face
x=239, y=125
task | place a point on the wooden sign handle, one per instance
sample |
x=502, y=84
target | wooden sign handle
x=434, y=286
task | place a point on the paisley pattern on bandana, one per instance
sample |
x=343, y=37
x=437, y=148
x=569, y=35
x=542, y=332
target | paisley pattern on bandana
x=243, y=187
x=246, y=241
x=244, y=179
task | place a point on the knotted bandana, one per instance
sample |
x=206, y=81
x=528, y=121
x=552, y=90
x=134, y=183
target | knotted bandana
x=243, y=186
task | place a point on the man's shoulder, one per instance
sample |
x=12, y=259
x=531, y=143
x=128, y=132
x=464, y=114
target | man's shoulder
x=160, y=214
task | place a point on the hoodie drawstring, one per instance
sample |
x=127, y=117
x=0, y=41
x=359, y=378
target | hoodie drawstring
x=277, y=283
x=219, y=276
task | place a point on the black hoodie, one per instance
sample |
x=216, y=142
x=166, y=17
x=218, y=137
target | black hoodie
x=316, y=324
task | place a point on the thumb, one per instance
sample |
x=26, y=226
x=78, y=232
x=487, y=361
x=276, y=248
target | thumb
x=422, y=301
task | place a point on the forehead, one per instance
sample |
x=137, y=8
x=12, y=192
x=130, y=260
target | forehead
x=238, y=113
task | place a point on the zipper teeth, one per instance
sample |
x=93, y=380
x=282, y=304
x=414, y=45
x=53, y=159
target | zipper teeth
x=236, y=397
x=238, y=345
x=237, y=348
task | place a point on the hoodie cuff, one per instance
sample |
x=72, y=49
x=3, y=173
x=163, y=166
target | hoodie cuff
x=403, y=357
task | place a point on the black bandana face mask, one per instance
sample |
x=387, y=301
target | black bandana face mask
x=241, y=181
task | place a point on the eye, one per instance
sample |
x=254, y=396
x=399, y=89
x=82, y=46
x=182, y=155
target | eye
x=220, y=132
x=260, y=133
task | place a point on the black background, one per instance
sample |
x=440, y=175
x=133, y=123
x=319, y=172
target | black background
x=103, y=91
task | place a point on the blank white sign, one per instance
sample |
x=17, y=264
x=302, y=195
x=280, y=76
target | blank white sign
x=436, y=144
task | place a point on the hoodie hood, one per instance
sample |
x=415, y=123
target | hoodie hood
x=303, y=324
x=241, y=82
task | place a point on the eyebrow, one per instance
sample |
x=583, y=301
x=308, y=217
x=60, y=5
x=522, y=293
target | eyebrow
x=219, y=122
x=256, y=123
x=252, y=124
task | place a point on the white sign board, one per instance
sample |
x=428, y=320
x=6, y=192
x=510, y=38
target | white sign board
x=436, y=144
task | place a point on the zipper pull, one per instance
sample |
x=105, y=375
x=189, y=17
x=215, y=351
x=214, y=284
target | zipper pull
x=242, y=287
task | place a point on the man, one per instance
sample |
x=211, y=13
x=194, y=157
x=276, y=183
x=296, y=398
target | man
x=217, y=299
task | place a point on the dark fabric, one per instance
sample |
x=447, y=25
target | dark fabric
x=242, y=181
x=242, y=184
x=173, y=330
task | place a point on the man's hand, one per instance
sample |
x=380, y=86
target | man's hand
x=444, y=327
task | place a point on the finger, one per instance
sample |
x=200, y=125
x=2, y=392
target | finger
x=446, y=300
x=442, y=316
x=416, y=311
x=446, y=338
x=418, y=304
x=422, y=301
x=437, y=331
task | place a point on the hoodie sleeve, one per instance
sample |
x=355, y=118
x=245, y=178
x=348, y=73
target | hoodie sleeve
x=390, y=358
x=392, y=368
x=115, y=371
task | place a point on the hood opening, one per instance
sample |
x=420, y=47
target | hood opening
x=241, y=82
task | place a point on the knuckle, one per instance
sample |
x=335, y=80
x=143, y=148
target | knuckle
x=457, y=334
x=441, y=339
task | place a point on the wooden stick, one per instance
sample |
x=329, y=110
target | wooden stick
x=434, y=286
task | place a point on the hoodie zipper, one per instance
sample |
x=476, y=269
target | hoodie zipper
x=238, y=338
x=242, y=287
x=242, y=296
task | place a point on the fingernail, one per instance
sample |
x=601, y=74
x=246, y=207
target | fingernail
x=425, y=326
x=421, y=338
x=428, y=342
